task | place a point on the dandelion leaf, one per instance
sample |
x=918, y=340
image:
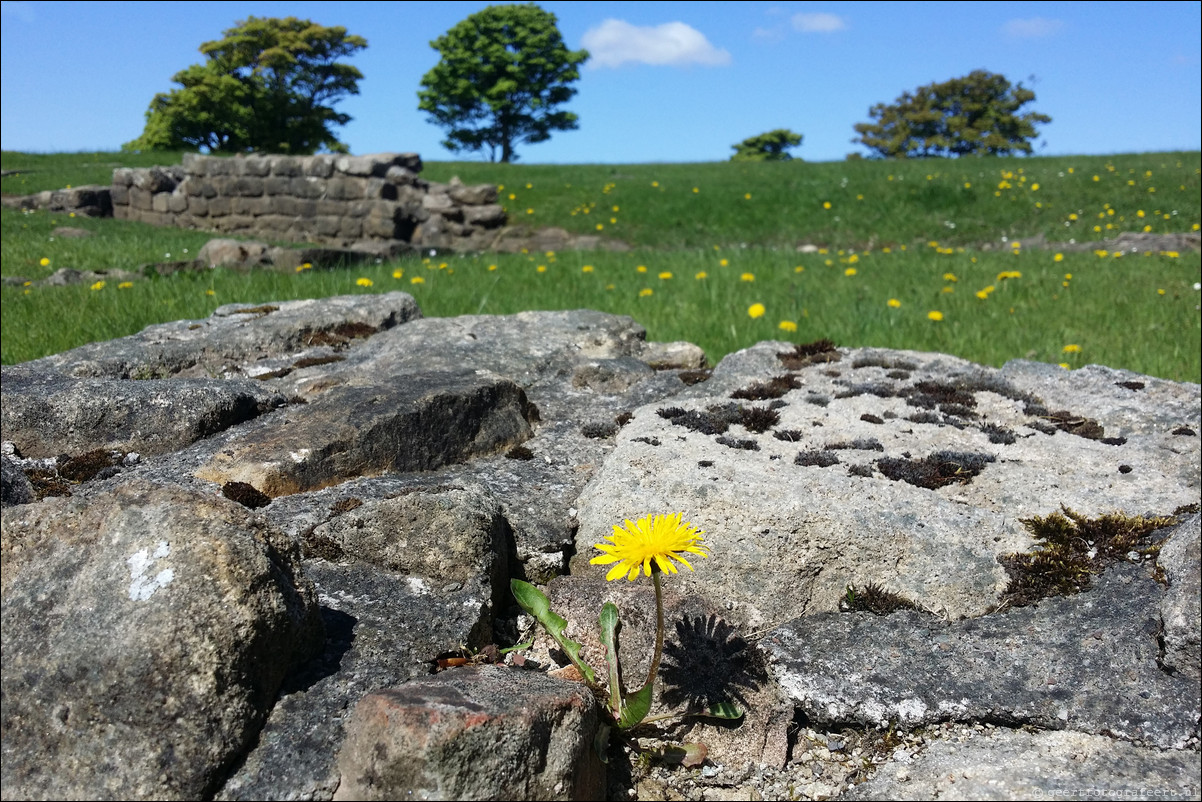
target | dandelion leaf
x=536, y=603
x=636, y=707
x=609, y=639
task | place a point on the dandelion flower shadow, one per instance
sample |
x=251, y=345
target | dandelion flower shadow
x=710, y=663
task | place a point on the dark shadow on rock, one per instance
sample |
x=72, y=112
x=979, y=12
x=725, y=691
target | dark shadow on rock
x=710, y=663
x=340, y=635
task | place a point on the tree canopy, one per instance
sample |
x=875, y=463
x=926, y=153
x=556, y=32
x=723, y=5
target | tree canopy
x=269, y=85
x=772, y=146
x=977, y=114
x=502, y=76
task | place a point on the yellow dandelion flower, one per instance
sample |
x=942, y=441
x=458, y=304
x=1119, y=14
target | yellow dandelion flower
x=364, y=282
x=45, y=261
x=659, y=538
x=933, y=315
x=747, y=196
x=851, y=271
x=696, y=190
x=529, y=211
x=600, y=226
x=747, y=277
x=893, y=303
x=417, y=280
x=643, y=293
x=1058, y=257
x=787, y=325
x=99, y=285
x=826, y=204
x=950, y=277
x=586, y=269
x=1065, y=365
x=1072, y=348
x=799, y=269
x=665, y=275
x=398, y=273
x=756, y=310
x=125, y=285
x=723, y=262
x=655, y=183
x=541, y=268
x=641, y=268
x=210, y=292
x=701, y=274
x=492, y=268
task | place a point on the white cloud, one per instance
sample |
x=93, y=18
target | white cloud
x=1034, y=28
x=774, y=34
x=615, y=42
x=818, y=22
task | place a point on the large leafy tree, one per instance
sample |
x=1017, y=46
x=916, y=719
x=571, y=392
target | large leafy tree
x=503, y=74
x=772, y=146
x=269, y=85
x=978, y=114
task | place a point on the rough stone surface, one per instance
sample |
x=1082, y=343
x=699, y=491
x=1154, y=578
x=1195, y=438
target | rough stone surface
x=474, y=733
x=146, y=632
x=416, y=465
x=1014, y=764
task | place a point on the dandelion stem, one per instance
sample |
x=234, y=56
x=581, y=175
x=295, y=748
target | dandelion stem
x=659, y=627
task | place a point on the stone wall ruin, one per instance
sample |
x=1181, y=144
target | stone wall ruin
x=330, y=199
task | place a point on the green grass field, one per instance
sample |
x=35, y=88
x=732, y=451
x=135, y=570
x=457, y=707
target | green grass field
x=910, y=255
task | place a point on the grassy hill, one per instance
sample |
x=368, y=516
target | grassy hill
x=915, y=254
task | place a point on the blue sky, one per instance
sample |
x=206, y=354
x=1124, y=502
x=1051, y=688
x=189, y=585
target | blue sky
x=667, y=82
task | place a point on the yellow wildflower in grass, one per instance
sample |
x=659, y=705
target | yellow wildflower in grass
x=45, y=261
x=747, y=196
x=950, y=277
x=541, y=268
x=983, y=294
x=659, y=539
x=641, y=268
x=1058, y=257
x=756, y=310
x=893, y=303
x=799, y=269
x=600, y=226
x=826, y=204
x=723, y=262
x=99, y=285
x=364, y=282
x=664, y=276
x=1065, y=365
x=1072, y=348
x=586, y=269
x=696, y=190
x=787, y=325
x=747, y=277
x=655, y=183
x=701, y=274
x=933, y=315
x=1068, y=276
x=1158, y=292
x=417, y=280
x=1035, y=187
x=643, y=293
x=210, y=292
x=1101, y=253
x=948, y=290
x=491, y=268
x=125, y=285
x=851, y=271
x=398, y=273
x=529, y=211
x=855, y=257
x=1005, y=274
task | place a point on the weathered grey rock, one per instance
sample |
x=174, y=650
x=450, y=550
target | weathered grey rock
x=232, y=252
x=66, y=276
x=229, y=342
x=46, y=414
x=1013, y=764
x=474, y=733
x=14, y=485
x=1181, y=609
x=350, y=431
x=146, y=631
x=1033, y=665
x=930, y=463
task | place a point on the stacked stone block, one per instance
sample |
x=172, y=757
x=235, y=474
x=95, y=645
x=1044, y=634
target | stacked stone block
x=327, y=199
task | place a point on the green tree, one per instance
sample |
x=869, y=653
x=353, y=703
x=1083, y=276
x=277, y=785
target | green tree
x=269, y=85
x=977, y=114
x=503, y=74
x=772, y=146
